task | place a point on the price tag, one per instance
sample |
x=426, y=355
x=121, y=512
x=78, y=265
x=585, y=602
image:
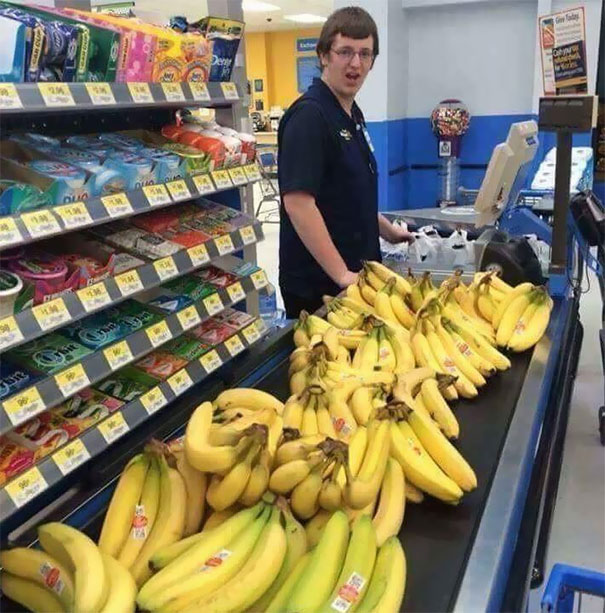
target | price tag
x=26, y=486
x=199, y=91
x=159, y=333
x=236, y=292
x=178, y=190
x=173, y=92
x=71, y=456
x=251, y=334
x=189, y=318
x=213, y=304
x=113, y=428
x=238, y=176
x=260, y=326
x=117, y=355
x=203, y=184
x=230, y=91
x=21, y=407
x=248, y=235
x=72, y=380
x=51, y=314
x=10, y=333
x=9, y=98
x=180, y=382
x=94, y=297
x=198, y=255
x=56, y=94
x=129, y=282
x=40, y=223
x=252, y=172
x=221, y=179
x=117, y=205
x=234, y=345
x=156, y=195
x=100, y=93
x=259, y=279
x=140, y=92
x=9, y=233
x=224, y=244
x=211, y=361
x=153, y=400
x=166, y=268
x=73, y=215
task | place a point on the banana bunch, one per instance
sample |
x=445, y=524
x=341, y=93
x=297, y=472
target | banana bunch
x=69, y=573
x=311, y=329
x=384, y=348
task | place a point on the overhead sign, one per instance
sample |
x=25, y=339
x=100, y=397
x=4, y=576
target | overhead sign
x=306, y=45
x=563, y=51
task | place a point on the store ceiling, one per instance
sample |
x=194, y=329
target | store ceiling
x=258, y=21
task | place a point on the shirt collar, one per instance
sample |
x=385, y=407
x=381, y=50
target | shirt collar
x=327, y=95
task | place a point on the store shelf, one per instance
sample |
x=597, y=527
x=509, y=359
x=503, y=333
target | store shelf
x=30, y=226
x=18, y=98
x=54, y=389
x=41, y=319
x=27, y=486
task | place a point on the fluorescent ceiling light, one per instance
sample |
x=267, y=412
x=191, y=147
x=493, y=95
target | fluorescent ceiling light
x=305, y=18
x=255, y=6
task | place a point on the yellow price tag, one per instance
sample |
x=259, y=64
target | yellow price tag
x=72, y=380
x=73, y=215
x=178, y=190
x=26, y=486
x=113, y=427
x=117, y=205
x=156, y=195
x=211, y=361
x=153, y=400
x=9, y=233
x=252, y=172
x=140, y=92
x=224, y=244
x=180, y=382
x=21, y=407
x=166, y=268
x=260, y=326
x=71, y=456
x=236, y=292
x=118, y=355
x=10, y=333
x=259, y=279
x=9, y=98
x=203, y=184
x=51, y=314
x=100, y=93
x=251, y=334
x=199, y=91
x=173, y=92
x=94, y=297
x=248, y=235
x=238, y=176
x=213, y=304
x=40, y=223
x=234, y=345
x=129, y=282
x=159, y=333
x=221, y=179
x=198, y=255
x=189, y=318
x=56, y=94
x=230, y=91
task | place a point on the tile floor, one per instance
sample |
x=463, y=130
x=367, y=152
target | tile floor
x=578, y=529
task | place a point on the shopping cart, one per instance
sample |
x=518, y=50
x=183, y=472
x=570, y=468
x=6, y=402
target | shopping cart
x=266, y=156
x=564, y=582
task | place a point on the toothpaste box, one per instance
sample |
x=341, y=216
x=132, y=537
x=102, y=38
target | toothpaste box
x=127, y=384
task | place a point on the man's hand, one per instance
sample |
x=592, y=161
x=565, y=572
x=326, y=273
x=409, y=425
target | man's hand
x=349, y=278
x=392, y=233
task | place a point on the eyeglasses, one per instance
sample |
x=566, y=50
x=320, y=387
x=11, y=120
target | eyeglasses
x=346, y=54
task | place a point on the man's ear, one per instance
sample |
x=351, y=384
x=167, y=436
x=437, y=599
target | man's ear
x=323, y=60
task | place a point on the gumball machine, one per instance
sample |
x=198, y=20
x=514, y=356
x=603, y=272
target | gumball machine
x=450, y=120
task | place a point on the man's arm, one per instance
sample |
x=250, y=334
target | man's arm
x=392, y=233
x=311, y=228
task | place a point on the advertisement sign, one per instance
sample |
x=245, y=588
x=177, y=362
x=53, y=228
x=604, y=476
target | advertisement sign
x=306, y=45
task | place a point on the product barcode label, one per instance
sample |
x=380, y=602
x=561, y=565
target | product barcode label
x=118, y=355
x=9, y=97
x=10, y=333
x=180, y=382
x=113, y=428
x=56, y=94
x=236, y=292
x=173, y=92
x=216, y=560
x=26, y=486
x=140, y=92
x=71, y=456
x=213, y=304
x=211, y=361
x=234, y=345
x=100, y=93
x=198, y=255
x=40, y=223
x=94, y=297
x=73, y=215
x=199, y=91
x=178, y=190
x=139, y=523
x=203, y=184
x=117, y=205
x=166, y=268
x=9, y=233
x=189, y=318
x=153, y=400
x=221, y=179
x=224, y=244
x=129, y=282
x=72, y=380
x=21, y=407
x=52, y=577
x=248, y=235
x=156, y=195
x=51, y=314
x=348, y=594
x=158, y=334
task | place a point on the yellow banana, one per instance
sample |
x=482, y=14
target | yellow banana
x=309, y=426
x=297, y=449
x=519, y=290
x=368, y=293
x=391, y=506
x=357, y=450
x=342, y=418
x=384, y=273
x=216, y=518
x=361, y=404
x=122, y=588
x=383, y=307
x=535, y=328
x=248, y=398
x=304, y=499
x=258, y=481
x=511, y=316
x=293, y=412
x=278, y=602
x=298, y=382
x=413, y=494
x=409, y=382
x=324, y=420
x=403, y=352
x=386, y=353
x=167, y=554
x=30, y=594
x=438, y=408
x=402, y=312
x=195, y=485
x=287, y=476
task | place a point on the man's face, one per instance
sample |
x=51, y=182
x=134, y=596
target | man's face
x=346, y=65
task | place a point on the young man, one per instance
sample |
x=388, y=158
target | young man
x=327, y=171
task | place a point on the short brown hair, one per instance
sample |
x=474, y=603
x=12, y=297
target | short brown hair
x=351, y=21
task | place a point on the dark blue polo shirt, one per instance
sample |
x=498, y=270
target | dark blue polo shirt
x=326, y=153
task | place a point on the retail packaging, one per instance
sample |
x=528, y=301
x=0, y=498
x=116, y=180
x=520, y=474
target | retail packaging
x=190, y=286
x=15, y=37
x=18, y=197
x=160, y=364
x=134, y=315
x=14, y=378
x=14, y=459
x=216, y=276
x=11, y=287
x=225, y=35
x=234, y=318
x=185, y=236
x=97, y=331
x=86, y=408
x=136, y=170
x=169, y=303
x=212, y=332
x=186, y=347
x=210, y=226
x=127, y=384
x=193, y=160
